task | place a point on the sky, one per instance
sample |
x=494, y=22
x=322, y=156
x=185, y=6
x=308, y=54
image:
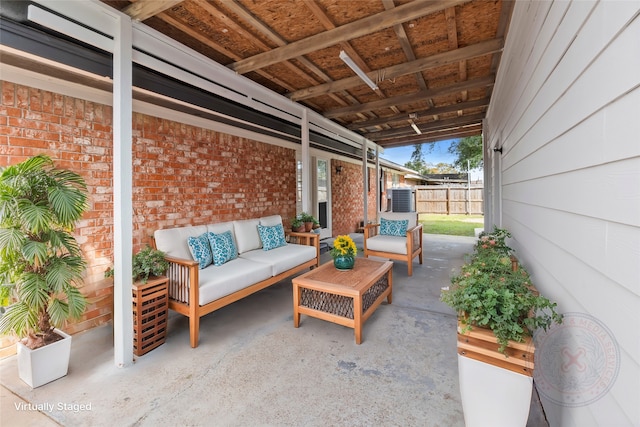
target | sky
x=439, y=154
x=402, y=155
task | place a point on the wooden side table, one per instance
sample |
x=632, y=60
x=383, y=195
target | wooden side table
x=150, y=313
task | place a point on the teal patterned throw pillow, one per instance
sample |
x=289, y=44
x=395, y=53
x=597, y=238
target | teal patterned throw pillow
x=272, y=236
x=394, y=228
x=223, y=247
x=200, y=250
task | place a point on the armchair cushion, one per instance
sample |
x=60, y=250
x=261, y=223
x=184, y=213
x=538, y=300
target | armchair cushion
x=391, y=227
x=386, y=243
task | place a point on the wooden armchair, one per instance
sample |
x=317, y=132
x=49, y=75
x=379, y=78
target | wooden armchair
x=388, y=238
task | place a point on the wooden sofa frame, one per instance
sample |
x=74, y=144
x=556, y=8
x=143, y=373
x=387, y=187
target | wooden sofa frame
x=414, y=245
x=183, y=286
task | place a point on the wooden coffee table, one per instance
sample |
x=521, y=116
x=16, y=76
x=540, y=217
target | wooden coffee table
x=347, y=298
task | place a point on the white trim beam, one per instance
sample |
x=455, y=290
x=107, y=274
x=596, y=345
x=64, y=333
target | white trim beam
x=122, y=194
x=306, y=163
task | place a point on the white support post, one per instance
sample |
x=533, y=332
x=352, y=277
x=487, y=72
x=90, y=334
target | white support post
x=365, y=180
x=122, y=194
x=378, y=187
x=306, y=162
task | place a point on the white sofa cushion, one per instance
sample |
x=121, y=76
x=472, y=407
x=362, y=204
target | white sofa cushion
x=271, y=220
x=173, y=241
x=385, y=243
x=247, y=237
x=283, y=258
x=219, y=281
x=221, y=228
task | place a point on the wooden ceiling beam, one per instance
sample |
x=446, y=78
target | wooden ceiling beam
x=355, y=56
x=412, y=97
x=327, y=23
x=483, y=102
x=426, y=127
x=443, y=58
x=213, y=45
x=452, y=36
x=362, y=27
x=145, y=9
x=238, y=29
x=440, y=136
x=275, y=38
x=405, y=44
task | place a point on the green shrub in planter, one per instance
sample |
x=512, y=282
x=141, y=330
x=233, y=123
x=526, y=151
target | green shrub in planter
x=488, y=292
x=148, y=262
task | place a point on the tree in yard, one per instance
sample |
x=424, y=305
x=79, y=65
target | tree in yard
x=467, y=149
x=417, y=159
x=439, y=168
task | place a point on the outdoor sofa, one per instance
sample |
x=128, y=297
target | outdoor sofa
x=243, y=257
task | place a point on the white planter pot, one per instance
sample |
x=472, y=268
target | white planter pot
x=45, y=364
x=493, y=396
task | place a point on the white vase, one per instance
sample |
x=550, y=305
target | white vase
x=45, y=364
x=493, y=396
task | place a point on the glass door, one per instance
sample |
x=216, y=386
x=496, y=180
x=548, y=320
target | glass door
x=322, y=196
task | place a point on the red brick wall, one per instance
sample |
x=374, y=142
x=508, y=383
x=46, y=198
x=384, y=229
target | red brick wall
x=186, y=175
x=77, y=135
x=182, y=175
x=372, y=195
x=346, y=197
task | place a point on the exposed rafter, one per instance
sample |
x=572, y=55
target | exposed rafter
x=484, y=102
x=479, y=49
x=362, y=27
x=144, y=9
x=435, y=58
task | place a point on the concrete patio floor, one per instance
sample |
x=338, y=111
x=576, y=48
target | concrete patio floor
x=253, y=368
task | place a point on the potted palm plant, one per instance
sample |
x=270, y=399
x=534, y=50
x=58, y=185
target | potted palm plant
x=41, y=263
x=498, y=311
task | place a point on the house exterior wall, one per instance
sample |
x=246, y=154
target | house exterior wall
x=346, y=197
x=76, y=134
x=182, y=174
x=565, y=111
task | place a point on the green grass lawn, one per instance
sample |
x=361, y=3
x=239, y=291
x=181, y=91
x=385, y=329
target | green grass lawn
x=455, y=225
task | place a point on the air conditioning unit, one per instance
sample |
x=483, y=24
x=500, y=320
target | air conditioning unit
x=403, y=200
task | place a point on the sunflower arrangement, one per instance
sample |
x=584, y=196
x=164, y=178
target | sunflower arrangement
x=344, y=246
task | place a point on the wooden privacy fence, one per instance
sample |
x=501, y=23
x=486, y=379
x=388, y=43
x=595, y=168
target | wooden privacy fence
x=438, y=199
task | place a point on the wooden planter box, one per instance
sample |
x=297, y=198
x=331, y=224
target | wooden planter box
x=481, y=344
x=150, y=312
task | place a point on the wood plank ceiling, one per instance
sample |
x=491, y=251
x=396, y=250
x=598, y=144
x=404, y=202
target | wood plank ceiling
x=434, y=62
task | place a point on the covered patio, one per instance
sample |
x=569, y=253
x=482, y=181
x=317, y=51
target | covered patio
x=171, y=132
x=254, y=368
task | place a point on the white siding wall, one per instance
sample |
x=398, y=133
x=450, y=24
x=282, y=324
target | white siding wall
x=566, y=111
